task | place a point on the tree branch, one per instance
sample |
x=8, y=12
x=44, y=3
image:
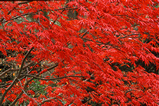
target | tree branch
x=2, y=98
x=28, y=75
x=58, y=15
x=36, y=12
x=84, y=34
x=15, y=8
x=26, y=92
x=47, y=100
x=14, y=69
x=21, y=68
x=16, y=78
x=25, y=86
x=18, y=16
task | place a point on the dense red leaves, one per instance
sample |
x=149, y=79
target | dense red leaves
x=105, y=32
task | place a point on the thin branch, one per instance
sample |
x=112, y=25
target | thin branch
x=48, y=100
x=15, y=8
x=14, y=69
x=58, y=15
x=34, y=66
x=36, y=12
x=129, y=91
x=66, y=8
x=21, y=68
x=25, y=86
x=50, y=68
x=3, y=85
x=89, y=78
x=2, y=98
x=19, y=16
x=25, y=2
x=84, y=34
x=28, y=75
x=128, y=36
x=16, y=78
x=26, y=92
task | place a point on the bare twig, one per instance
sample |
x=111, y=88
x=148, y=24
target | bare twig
x=129, y=91
x=84, y=34
x=25, y=86
x=34, y=66
x=49, y=78
x=26, y=92
x=65, y=9
x=128, y=36
x=16, y=78
x=16, y=17
x=48, y=100
x=19, y=16
x=58, y=15
x=2, y=98
x=15, y=8
x=50, y=68
x=14, y=69
x=21, y=68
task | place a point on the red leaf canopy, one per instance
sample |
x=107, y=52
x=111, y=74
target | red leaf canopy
x=83, y=47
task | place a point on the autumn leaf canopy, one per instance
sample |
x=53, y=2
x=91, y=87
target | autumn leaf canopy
x=79, y=53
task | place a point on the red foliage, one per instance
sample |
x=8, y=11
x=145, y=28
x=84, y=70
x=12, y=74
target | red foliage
x=81, y=51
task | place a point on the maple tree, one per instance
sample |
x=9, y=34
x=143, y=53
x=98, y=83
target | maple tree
x=79, y=52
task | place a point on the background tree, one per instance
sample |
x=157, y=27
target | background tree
x=79, y=52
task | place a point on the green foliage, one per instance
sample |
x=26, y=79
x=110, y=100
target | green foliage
x=38, y=88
